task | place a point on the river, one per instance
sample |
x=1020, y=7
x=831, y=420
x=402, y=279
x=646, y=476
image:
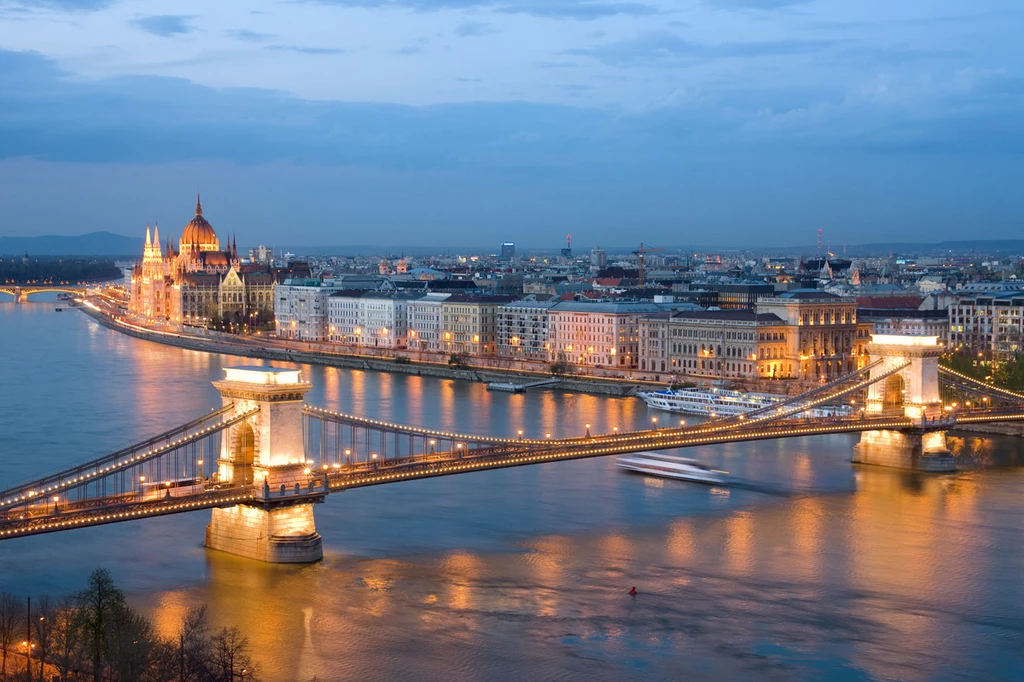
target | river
x=809, y=568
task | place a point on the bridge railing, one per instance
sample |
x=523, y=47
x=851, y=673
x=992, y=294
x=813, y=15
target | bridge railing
x=130, y=474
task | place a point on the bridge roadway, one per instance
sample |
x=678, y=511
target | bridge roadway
x=510, y=453
x=23, y=291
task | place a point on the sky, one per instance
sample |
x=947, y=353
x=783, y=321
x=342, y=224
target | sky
x=471, y=122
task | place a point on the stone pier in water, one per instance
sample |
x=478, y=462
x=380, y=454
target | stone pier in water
x=266, y=449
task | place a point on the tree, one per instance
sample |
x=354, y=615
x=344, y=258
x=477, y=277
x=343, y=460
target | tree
x=98, y=603
x=231, y=660
x=67, y=637
x=193, y=646
x=132, y=646
x=12, y=610
x=42, y=627
x=561, y=365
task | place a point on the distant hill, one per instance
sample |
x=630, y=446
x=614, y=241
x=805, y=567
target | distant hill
x=92, y=244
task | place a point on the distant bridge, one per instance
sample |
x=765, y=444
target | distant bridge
x=21, y=292
x=264, y=458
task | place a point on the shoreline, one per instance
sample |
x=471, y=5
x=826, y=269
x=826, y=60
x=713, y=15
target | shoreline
x=573, y=384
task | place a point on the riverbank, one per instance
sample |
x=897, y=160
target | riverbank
x=251, y=349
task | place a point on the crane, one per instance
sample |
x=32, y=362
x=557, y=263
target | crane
x=640, y=259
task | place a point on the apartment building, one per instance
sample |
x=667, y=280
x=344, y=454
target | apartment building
x=424, y=316
x=988, y=323
x=523, y=330
x=469, y=324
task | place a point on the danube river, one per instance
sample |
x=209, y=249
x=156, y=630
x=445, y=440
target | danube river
x=809, y=568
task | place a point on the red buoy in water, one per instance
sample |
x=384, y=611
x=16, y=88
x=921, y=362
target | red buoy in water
x=632, y=591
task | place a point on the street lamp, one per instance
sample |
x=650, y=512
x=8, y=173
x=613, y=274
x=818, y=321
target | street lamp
x=588, y=430
x=432, y=444
x=458, y=446
x=200, y=463
x=348, y=455
x=520, y=432
x=142, y=482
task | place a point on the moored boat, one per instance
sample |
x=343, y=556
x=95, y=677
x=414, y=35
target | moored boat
x=719, y=402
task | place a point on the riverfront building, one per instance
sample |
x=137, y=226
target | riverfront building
x=198, y=281
x=988, y=323
x=802, y=334
x=523, y=330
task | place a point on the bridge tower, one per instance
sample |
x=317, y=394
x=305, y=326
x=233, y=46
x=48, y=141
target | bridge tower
x=913, y=391
x=266, y=450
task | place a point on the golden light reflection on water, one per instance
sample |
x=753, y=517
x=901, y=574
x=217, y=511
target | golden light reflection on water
x=806, y=531
x=879, y=553
x=739, y=542
x=463, y=570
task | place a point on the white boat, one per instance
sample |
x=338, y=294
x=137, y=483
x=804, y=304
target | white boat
x=671, y=466
x=719, y=402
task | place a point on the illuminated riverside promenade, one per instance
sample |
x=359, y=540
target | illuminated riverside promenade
x=268, y=477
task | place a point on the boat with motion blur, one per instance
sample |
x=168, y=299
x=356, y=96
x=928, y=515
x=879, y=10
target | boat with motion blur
x=672, y=466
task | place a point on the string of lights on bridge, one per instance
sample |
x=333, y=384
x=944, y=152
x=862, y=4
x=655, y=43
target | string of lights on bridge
x=88, y=477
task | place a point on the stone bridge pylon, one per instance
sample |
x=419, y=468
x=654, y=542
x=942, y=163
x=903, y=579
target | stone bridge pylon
x=912, y=391
x=266, y=450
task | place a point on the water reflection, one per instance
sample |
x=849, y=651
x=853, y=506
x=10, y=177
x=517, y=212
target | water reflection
x=811, y=568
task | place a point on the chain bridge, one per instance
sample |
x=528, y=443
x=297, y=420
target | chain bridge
x=263, y=459
x=21, y=292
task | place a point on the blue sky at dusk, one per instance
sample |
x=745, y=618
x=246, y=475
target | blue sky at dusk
x=468, y=122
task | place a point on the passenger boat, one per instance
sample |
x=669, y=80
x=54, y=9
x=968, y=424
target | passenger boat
x=671, y=466
x=719, y=402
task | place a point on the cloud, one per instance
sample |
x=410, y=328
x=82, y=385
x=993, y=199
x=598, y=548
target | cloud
x=474, y=29
x=305, y=50
x=663, y=47
x=249, y=36
x=552, y=9
x=766, y=5
x=409, y=50
x=166, y=25
x=63, y=5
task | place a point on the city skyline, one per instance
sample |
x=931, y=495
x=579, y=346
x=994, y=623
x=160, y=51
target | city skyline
x=479, y=121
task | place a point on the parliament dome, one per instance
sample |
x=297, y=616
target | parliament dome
x=199, y=231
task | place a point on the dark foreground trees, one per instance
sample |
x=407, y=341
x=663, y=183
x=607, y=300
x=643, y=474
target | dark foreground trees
x=95, y=635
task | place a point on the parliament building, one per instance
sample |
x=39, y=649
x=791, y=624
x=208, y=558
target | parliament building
x=199, y=282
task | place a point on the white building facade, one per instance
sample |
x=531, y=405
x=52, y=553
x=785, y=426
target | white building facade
x=424, y=322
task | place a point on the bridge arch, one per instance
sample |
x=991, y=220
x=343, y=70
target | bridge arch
x=892, y=392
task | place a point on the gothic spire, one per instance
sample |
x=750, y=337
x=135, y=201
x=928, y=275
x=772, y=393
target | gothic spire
x=199, y=205
x=149, y=240
x=156, y=233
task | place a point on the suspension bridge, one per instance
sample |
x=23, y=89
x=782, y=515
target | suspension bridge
x=264, y=458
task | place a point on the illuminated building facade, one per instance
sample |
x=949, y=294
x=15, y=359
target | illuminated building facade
x=198, y=282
